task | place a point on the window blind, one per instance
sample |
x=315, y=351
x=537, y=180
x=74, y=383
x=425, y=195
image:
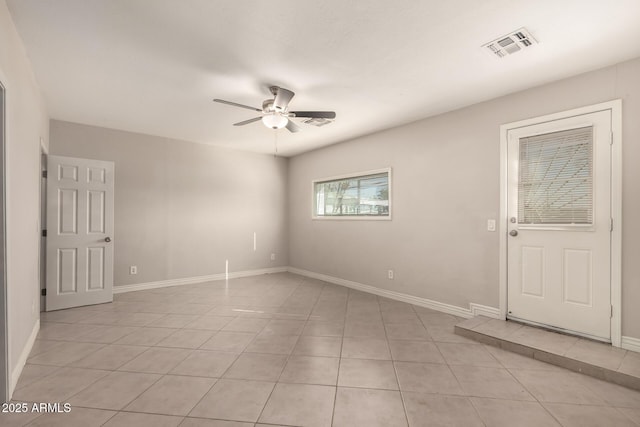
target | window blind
x=555, y=184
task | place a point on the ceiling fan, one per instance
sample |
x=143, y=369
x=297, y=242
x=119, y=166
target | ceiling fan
x=276, y=114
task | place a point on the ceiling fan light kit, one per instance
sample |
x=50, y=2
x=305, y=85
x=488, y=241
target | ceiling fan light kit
x=274, y=120
x=276, y=114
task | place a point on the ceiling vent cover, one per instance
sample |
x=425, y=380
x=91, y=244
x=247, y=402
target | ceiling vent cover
x=511, y=43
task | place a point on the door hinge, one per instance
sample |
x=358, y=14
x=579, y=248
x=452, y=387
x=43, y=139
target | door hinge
x=44, y=233
x=611, y=225
x=43, y=292
x=611, y=138
x=611, y=313
x=44, y=174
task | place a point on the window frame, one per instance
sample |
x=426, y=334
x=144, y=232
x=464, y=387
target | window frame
x=353, y=175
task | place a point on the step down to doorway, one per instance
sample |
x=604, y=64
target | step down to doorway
x=588, y=357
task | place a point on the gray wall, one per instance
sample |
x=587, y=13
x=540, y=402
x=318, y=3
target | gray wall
x=27, y=123
x=446, y=180
x=182, y=209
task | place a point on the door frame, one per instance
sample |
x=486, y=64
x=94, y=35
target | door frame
x=615, y=107
x=4, y=286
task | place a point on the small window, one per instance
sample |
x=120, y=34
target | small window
x=365, y=195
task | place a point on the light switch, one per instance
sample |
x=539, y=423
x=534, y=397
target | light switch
x=491, y=225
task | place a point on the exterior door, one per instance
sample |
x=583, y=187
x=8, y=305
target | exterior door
x=559, y=223
x=79, y=232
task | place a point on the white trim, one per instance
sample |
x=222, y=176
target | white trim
x=22, y=360
x=483, y=310
x=351, y=217
x=398, y=296
x=615, y=107
x=630, y=343
x=193, y=280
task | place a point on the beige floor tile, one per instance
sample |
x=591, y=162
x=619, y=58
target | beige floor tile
x=300, y=404
x=632, y=413
x=40, y=346
x=490, y=382
x=516, y=361
x=210, y=323
x=106, y=334
x=31, y=373
x=367, y=374
x=497, y=328
x=130, y=419
x=63, y=316
x=505, y=413
x=399, y=316
x=245, y=324
x=543, y=340
x=557, y=386
x=204, y=363
x=114, y=391
x=186, y=338
x=365, y=348
x=415, y=351
x=427, y=378
x=13, y=419
x=413, y=331
x=157, y=360
x=437, y=319
x=139, y=319
x=234, y=342
x=66, y=354
x=599, y=354
x=365, y=329
x=357, y=407
x=174, y=320
x=311, y=370
x=63, y=331
x=284, y=327
x=318, y=346
x=77, y=417
x=433, y=410
x=110, y=357
x=631, y=364
x=446, y=334
x=613, y=394
x=145, y=336
x=467, y=354
x=272, y=344
x=172, y=395
x=202, y=422
x=234, y=400
x=255, y=366
x=323, y=329
x=588, y=416
x=59, y=386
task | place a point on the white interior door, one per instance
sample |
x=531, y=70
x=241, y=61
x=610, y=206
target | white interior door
x=79, y=232
x=559, y=213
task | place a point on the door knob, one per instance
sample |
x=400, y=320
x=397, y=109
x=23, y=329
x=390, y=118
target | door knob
x=513, y=233
x=107, y=239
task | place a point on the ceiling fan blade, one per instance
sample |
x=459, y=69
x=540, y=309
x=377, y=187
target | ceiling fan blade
x=292, y=126
x=283, y=97
x=246, y=122
x=315, y=114
x=235, y=104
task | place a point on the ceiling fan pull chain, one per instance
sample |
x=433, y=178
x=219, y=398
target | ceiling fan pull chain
x=275, y=142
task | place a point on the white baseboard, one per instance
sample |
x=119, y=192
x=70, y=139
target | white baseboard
x=476, y=309
x=193, y=280
x=22, y=360
x=629, y=343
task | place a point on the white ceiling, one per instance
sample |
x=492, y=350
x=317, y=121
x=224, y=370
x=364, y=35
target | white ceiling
x=154, y=66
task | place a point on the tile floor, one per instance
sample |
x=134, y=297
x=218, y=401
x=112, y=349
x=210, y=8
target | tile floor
x=283, y=350
x=593, y=358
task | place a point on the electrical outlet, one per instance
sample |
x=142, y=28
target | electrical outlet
x=390, y=274
x=273, y=257
x=491, y=225
x=133, y=269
